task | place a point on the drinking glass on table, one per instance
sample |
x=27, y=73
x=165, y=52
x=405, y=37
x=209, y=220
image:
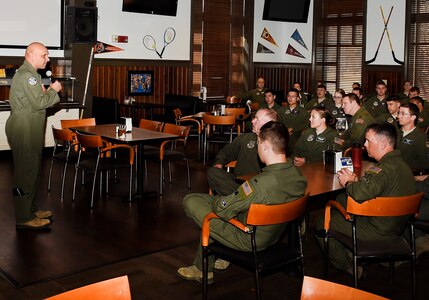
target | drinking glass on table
x=341, y=126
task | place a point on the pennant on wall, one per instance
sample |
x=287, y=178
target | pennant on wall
x=297, y=37
x=267, y=36
x=262, y=49
x=292, y=51
x=101, y=47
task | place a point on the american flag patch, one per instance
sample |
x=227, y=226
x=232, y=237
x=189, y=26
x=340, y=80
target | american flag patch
x=247, y=189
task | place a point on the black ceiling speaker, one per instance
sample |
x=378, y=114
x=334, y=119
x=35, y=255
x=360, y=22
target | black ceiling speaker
x=80, y=25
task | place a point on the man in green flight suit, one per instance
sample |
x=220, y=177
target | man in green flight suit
x=256, y=95
x=413, y=144
x=244, y=150
x=361, y=118
x=270, y=100
x=294, y=117
x=376, y=105
x=391, y=116
x=25, y=130
x=279, y=182
x=390, y=177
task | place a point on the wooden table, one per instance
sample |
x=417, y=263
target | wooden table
x=320, y=182
x=138, y=136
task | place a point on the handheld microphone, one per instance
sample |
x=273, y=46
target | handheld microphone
x=49, y=75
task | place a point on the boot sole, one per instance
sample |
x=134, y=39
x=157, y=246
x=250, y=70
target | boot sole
x=197, y=279
x=26, y=227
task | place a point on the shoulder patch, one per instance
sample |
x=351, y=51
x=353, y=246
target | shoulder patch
x=374, y=169
x=251, y=144
x=32, y=81
x=247, y=189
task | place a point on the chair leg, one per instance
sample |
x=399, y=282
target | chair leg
x=355, y=275
x=161, y=177
x=188, y=173
x=169, y=173
x=413, y=277
x=74, y=184
x=205, y=272
x=131, y=184
x=326, y=256
x=63, y=180
x=50, y=174
x=93, y=188
x=258, y=285
x=391, y=268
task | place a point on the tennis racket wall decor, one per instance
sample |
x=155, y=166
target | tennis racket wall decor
x=150, y=43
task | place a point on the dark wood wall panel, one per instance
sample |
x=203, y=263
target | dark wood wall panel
x=110, y=81
x=394, y=77
x=279, y=78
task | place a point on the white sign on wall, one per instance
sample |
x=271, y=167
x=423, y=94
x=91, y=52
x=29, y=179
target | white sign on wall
x=385, y=32
x=173, y=32
x=282, y=42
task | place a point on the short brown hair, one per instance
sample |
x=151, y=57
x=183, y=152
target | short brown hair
x=276, y=134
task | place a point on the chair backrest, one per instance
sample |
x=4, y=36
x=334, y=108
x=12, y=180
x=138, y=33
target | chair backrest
x=318, y=289
x=177, y=113
x=151, y=125
x=219, y=120
x=182, y=131
x=232, y=100
x=89, y=141
x=262, y=214
x=62, y=135
x=77, y=123
x=386, y=206
x=113, y=289
x=235, y=111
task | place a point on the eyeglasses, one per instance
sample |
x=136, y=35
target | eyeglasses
x=337, y=97
x=404, y=114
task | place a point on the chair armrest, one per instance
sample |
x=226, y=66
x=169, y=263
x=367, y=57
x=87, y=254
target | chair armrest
x=192, y=120
x=162, y=146
x=116, y=146
x=205, y=232
x=339, y=207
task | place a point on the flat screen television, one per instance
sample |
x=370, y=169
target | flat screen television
x=286, y=10
x=153, y=7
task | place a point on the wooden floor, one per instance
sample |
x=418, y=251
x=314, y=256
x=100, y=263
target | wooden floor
x=154, y=223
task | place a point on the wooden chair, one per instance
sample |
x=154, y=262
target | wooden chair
x=151, y=125
x=164, y=153
x=218, y=129
x=65, y=124
x=101, y=162
x=318, y=289
x=399, y=249
x=239, y=113
x=196, y=126
x=274, y=257
x=63, y=152
x=112, y=289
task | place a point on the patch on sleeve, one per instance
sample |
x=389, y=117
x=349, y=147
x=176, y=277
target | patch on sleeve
x=32, y=81
x=359, y=121
x=247, y=189
x=374, y=169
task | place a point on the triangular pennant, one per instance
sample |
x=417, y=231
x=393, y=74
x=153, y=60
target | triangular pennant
x=292, y=51
x=297, y=37
x=267, y=36
x=262, y=49
x=101, y=47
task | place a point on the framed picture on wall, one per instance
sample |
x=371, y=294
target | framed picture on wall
x=140, y=83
